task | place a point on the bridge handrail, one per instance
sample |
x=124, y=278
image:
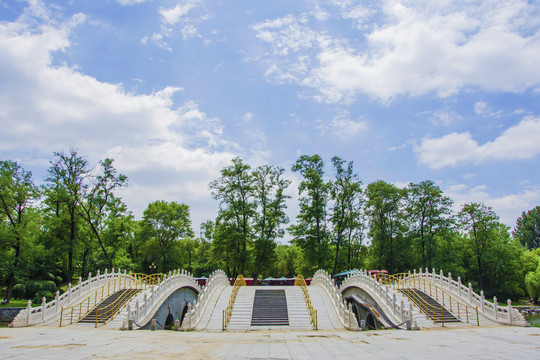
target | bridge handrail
x=195, y=313
x=49, y=310
x=93, y=299
x=493, y=311
x=345, y=313
x=300, y=281
x=401, y=311
x=240, y=281
x=449, y=302
x=138, y=310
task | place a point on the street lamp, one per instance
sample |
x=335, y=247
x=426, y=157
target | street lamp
x=152, y=268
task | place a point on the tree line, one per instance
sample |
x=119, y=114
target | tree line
x=75, y=223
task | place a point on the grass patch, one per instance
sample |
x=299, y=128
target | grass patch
x=15, y=303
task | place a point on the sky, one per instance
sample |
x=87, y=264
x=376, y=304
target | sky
x=172, y=90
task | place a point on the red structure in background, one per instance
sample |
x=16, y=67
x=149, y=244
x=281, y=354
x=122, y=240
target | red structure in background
x=271, y=281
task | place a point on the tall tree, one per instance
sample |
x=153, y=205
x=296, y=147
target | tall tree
x=527, y=230
x=101, y=205
x=478, y=221
x=310, y=232
x=17, y=194
x=269, y=193
x=429, y=213
x=163, y=227
x=384, y=208
x=65, y=187
x=345, y=191
x=235, y=192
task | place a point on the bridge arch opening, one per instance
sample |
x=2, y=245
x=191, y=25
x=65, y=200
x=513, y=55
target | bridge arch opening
x=169, y=321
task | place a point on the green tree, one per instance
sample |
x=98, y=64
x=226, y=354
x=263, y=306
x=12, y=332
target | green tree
x=429, y=212
x=17, y=195
x=163, y=227
x=532, y=281
x=269, y=194
x=100, y=206
x=384, y=208
x=233, y=230
x=63, y=193
x=346, y=212
x=527, y=230
x=310, y=232
x=478, y=222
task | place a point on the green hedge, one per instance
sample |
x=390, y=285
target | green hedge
x=33, y=287
x=19, y=291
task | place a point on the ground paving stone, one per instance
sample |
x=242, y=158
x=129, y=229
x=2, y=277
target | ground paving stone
x=497, y=342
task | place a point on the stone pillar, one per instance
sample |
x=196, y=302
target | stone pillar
x=495, y=307
x=69, y=293
x=137, y=307
x=394, y=303
x=363, y=325
x=28, y=311
x=153, y=324
x=459, y=285
x=450, y=281
x=510, y=310
x=402, y=307
x=56, y=300
x=470, y=293
x=43, y=305
x=176, y=325
x=410, y=312
x=441, y=278
x=482, y=300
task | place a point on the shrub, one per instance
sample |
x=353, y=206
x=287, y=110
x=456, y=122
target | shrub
x=39, y=297
x=33, y=287
x=19, y=291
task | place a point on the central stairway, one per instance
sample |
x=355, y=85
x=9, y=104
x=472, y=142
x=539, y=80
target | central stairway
x=270, y=308
x=97, y=315
x=439, y=314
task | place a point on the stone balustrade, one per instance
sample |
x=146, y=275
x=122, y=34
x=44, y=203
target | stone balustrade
x=140, y=309
x=491, y=310
x=216, y=280
x=50, y=310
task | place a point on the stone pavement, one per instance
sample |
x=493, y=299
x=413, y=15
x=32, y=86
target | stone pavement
x=497, y=342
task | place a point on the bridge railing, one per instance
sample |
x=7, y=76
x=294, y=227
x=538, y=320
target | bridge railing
x=345, y=313
x=50, y=310
x=195, y=312
x=240, y=281
x=400, y=310
x=300, y=281
x=491, y=310
x=140, y=308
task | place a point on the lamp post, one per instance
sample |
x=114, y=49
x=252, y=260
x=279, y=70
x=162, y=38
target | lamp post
x=152, y=268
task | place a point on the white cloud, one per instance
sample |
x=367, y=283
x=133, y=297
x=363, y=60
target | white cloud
x=413, y=48
x=444, y=118
x=131, y=2
x=152, y=141
x=517, y=142
x=342, y=126
x=172, y=15
x=508, y=207
x=480, y=107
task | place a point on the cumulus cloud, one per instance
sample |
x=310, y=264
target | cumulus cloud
x=131, y=2
x=342, y=126
x=515, y=143
x=508, y=207
x=415, y=47
x=151, y=139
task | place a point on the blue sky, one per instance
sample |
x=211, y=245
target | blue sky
x=172, y=90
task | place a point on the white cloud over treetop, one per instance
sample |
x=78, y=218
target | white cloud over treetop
x=517, y=142
x=414, y=47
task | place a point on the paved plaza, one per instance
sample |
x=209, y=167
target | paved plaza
x=78, y=342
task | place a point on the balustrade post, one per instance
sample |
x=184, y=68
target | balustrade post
x=69, y=293
x=43, y=305
x=482, y=300
x=28, y=311
x=441, y=278
x=470, y=293
x=402, y=307
x=394, y=303
x=386, y=297
x=89, y=281
x=495, y=307
x=459, y=285
x=450, y=281
x=57, y=300
x=137, y=307
x=98, y=278
x=410, y=312
x=510, y=310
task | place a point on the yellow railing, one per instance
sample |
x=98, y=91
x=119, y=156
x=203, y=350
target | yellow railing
x=80, y=310
x=312, y=312
x=240, y=281
x=408, y=281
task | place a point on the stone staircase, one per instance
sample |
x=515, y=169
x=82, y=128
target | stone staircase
x=101, y=316
x=439, y=316
x=270, y=308
x=241, y=312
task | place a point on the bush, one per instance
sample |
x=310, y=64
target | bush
x=19, y=291
x=33, y=287
x=39, y=297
